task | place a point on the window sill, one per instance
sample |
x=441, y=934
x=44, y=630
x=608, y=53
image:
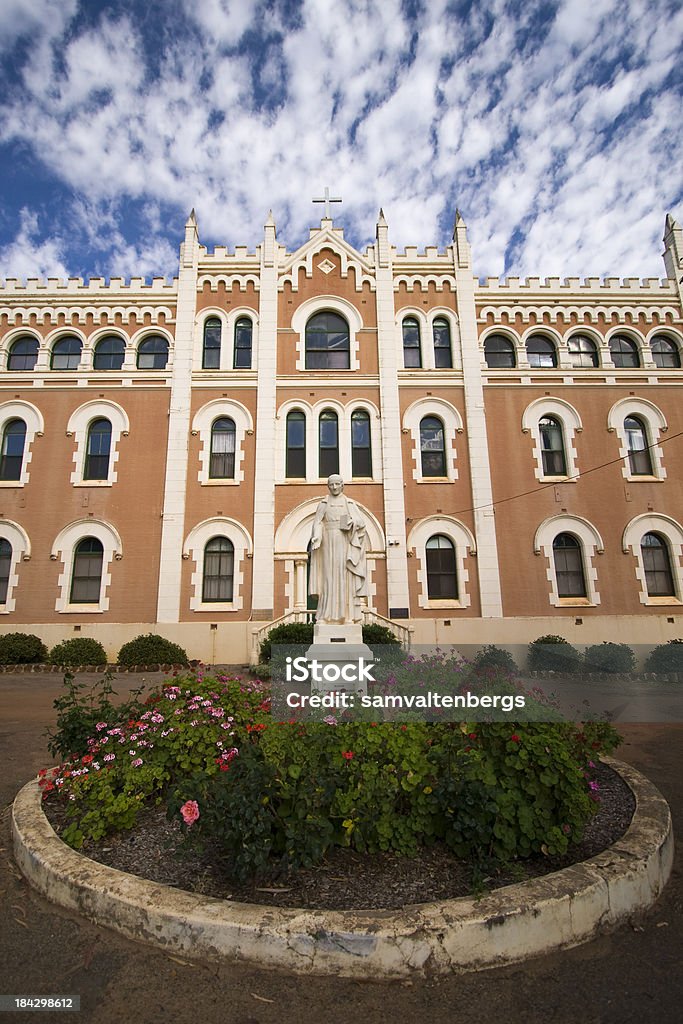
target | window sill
x=559, y=479
x=642, y=478
x=662, y=601
x=434, y=480
x=93, y=483
x=436, y=604
x=217, y=606
x=81, y=609
x=574, y=602
x=220, y=482
x=11, y=483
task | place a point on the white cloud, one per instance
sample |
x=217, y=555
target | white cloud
x=26, y=257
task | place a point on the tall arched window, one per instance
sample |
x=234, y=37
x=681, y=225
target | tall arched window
x=219, y=570
x=499, y=352
x=295, y=462
x=66, y=354
x=541, y=352
x=109, y=353
x=5, y=564
x=222, y=458
x=582, y=351
x=571, y=581
x=412, y=353
x=624, y=351
x=432, y=447
x=244, y=330
x=361, y=452
x=665, y=352
x=211, y=345
x=552, y=447
x=639, y=459
x=441, y=332
x=97, y=450
x=328, y=450
x=327, y=342
x=442, y=579
x=13, y=443
x=86, y=578
x=23, y=355
x=153, y=353
x=657, y=565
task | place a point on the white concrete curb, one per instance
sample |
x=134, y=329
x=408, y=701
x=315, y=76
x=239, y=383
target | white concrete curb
x=508, y=925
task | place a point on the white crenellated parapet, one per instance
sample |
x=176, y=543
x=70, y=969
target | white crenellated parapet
x=98, y=285
x=572, y=284
x=623, y=313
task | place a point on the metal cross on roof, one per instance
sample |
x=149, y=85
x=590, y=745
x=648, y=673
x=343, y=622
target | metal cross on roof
x=327, y=199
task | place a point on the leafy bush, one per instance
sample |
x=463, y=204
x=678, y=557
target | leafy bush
x=81, y=707
x=21, y=649
x=492, y=658
x=376, y=635
x=666, y=658
x=79, y=650
x=609, y=657
x=288, y=634
x=553, y=654
x=150, y=649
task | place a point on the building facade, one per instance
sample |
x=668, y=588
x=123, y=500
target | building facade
x=515, y=446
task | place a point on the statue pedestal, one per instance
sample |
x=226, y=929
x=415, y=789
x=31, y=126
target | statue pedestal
x=340, y=645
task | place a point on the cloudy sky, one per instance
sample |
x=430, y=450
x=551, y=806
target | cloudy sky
x=554, y=125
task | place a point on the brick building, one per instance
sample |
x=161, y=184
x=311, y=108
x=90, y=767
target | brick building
x=515, y=446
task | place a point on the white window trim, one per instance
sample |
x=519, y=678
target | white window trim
x=319, y=304
x=553, y=335
x=65, y=545
x=464, y=544
x=671, y=334
x=18, y=540
x=570, y=423
x=312, y=414
x=655, y=423
x=518, y=350
x=655, y=522
x=429, y=362
x=228, y=321
x=129, y=352
x=51, y=340
x=35, y=427
x=78, y=427
x=202, y=423
x=8, y=341
x=148, y=331
x=586, y=331
x=452, y=422
x=591, y=543
x=644, y=354
x=193, y=548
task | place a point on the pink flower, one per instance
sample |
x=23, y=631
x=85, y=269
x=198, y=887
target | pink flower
x=190, y=811
x=347, y=755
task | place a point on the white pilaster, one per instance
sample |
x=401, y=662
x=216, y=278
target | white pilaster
x=266, y=450
x=475, y=430
x=394, y=503
x=173, y=524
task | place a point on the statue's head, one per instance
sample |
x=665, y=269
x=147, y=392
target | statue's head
x=335, y=484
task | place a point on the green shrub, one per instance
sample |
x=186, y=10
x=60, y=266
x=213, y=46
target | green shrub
x=81, y=707
x=494, y=658
x=376, y=635
x=79, y=650
x=666, y=658
x=288, y=634
x=21, y=648
x=150, y=649
x=553, y=654
x=609, y=657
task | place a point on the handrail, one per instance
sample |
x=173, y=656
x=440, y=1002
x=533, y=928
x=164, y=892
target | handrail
x=371, y=617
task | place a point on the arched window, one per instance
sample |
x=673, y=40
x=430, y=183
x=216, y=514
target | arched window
x=153, y=353
x=328, y=451
x=442, y=580
x=665, y=352
x=66, y=354
x=361, y=453
x=327, y=342
x=441, y=332
x=582, y=351
x=5, y=564
x=552, y=447
x=109, y=353
x=657, y=564
x=541, y=352
x=639, y=459
x=23, y=354
x=13, y=443
x=244, y=330
x=571, y=581
x=97, y=451
x=222, y=458
x=624, y=351
x=295, y=463
x=432, y=447
x=412, y=354
x=219, y=569
x=211, y=348
x=86, y=578
x=499, y=352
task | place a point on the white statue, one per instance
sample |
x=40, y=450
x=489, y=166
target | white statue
x=338, y=557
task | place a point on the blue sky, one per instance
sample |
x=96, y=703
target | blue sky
x=554, y=126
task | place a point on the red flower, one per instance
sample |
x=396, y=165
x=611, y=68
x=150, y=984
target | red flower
x=514, y=738
x=347, y=755
x=87, y=758
x=471, y=736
